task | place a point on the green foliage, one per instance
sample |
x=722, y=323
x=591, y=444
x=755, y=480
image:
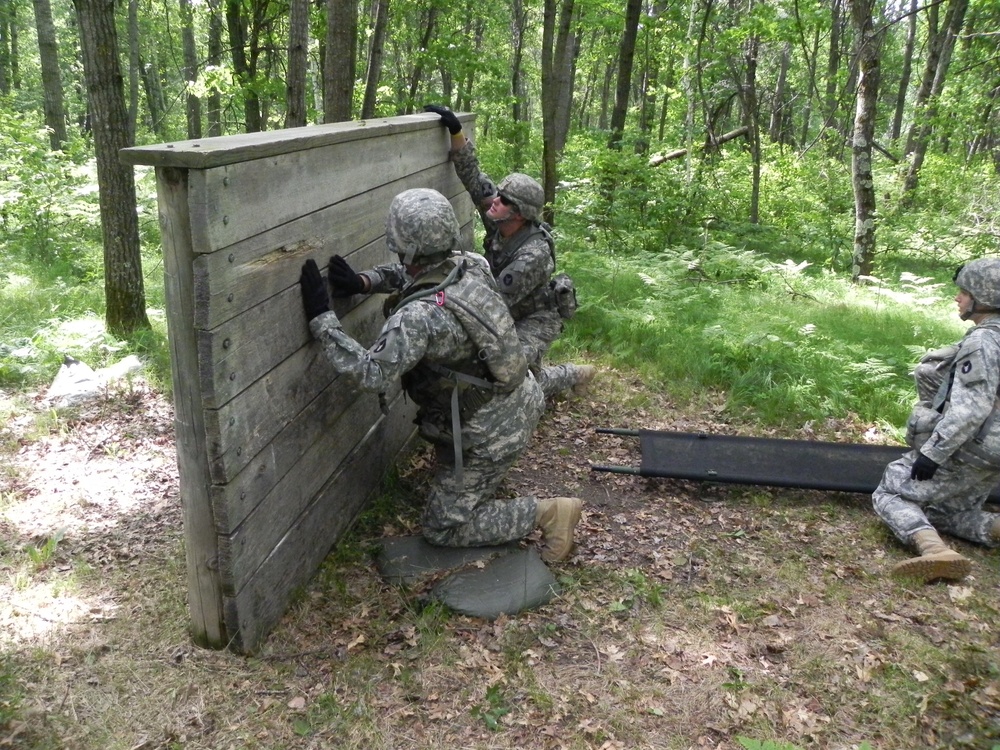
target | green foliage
x=786, y=343
x=48, y=200
x=494, y=709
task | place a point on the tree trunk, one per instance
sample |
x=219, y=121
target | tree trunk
x=125, y=297
x=556, y=76
x=150, y=75
x=417, y=74
x=518, y=23
x=830, y=100
x=375, y=55
x=465, y=95
x=192, y=108
x=869, y=72
x=811, y=87
x=341, y=54
x=134, y=62
x=295, y=78
x=214, y=59
x=775, y=129
x=6, y=50
x=48, y=55
x=751, y=119
x=236, y=22
x=626, y=55
x=920, y=138
x=904, y=80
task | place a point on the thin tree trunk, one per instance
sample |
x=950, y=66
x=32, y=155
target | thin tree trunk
x=954, y=20
x=192, y=103
x=775, y=131
x=134, y=63
x=751, y=119
x=214, y=59
x=556, y=76
x=869, y=74
x=904, y=81
x=375, y=56
x=626, y=55
x=125, y=297
x=48, y=56
x=807, y=108
x=245, y=72
x=150, y=74
x=417, y=74
x=295, y=78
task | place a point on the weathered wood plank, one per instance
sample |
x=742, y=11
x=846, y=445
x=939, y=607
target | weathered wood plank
x=237, y=201
x=261, y=602
x=244, y=426
x=244, y=348
x=201, y=543
x=236, y=278
x=243, y=551
x=206, y=153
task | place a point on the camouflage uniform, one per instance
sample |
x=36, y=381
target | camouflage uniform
x=953, y=426
x=416, y=342
x=523, y=265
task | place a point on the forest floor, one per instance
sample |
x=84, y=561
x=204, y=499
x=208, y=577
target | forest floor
x=691, y=615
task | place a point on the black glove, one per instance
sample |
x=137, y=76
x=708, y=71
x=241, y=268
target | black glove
x=923, y=468
x=448, y=118
x=343, y=281
x=314, y=297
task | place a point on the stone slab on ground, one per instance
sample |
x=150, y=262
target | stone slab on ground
x=479, y=581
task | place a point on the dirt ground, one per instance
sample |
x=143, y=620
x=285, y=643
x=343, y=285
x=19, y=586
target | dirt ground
x=691, y=616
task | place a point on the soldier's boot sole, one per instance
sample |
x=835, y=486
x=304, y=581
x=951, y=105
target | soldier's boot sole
x=946, y=566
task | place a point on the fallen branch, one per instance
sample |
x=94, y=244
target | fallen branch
x=658, y=159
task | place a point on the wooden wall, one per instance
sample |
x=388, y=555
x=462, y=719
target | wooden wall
x=277, y=454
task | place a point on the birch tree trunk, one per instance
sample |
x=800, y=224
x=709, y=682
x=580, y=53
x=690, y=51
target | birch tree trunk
x=869, y=72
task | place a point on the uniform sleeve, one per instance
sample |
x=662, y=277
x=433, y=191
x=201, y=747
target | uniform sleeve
x=388, y=278
x=972, y=398
x=401, y=344
x=467, y=168
x=530, y=268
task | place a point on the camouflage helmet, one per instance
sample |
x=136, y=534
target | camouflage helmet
x=421, y=226
x=525, y=193
x=981, y=279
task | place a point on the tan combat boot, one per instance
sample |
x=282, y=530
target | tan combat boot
x=557, y=517
x=936, y=560
x=584, y=374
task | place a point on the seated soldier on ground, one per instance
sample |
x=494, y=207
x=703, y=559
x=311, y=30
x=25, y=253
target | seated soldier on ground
x=450, y=338
x=521, y=253
x=954, y=431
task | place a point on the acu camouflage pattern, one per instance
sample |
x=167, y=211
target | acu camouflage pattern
x=422, y=226
x=964, y=440
x=525, y=193
x=523, y=266
x=465, y=514
x=981, y=279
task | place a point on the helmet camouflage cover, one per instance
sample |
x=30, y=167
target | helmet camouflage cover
x=981, y=279
x=525, y=193
x=421, y=226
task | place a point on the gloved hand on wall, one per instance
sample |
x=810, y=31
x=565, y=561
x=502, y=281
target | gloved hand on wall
x=315, y=300
x=343, y=280
x=448, y=118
